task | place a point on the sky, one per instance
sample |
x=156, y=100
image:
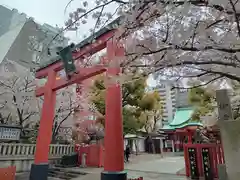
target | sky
x=53, y=13
x=49, y=11
x=46, y=11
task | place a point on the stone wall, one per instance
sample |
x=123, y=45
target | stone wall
x=22, y=155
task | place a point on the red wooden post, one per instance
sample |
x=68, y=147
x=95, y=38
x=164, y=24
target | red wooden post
x=189, y=133
x=186, y=159
x=222, y=153
x=40, y=166
x=199, y=160
x=214, y=160
x=113, y=140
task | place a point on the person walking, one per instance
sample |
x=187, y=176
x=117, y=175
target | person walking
x=127, y=153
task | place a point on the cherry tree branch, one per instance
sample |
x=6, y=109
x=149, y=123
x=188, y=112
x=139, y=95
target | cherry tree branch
x=203, y=84
x=235, y=15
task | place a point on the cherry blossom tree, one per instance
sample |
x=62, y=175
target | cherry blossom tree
x=172, y=39
x=65, y=106
x=20, y=106
x=18, y=103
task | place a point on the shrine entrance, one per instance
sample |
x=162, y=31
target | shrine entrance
x=113, y=141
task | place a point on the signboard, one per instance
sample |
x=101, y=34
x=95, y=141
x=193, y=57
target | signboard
x=224, y=105
x=207, y=169
x=192, y=153
x=8, y=133
x=67, y=59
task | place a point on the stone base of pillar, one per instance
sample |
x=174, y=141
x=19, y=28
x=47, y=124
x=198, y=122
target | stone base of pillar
x=39, y=172
x=122, y=175
x=222, y=173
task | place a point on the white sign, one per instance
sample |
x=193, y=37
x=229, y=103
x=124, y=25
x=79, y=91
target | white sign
x=8, y=133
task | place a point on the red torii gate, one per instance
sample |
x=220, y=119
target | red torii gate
x=113, y=142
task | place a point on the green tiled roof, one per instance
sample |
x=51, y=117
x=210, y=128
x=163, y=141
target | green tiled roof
x=111, y=26
x=188, y=124
x=181, y=119
x=181, y=116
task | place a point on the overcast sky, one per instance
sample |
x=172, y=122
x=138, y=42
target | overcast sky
x=53, y=12
x=44, y=11
x=48, y=11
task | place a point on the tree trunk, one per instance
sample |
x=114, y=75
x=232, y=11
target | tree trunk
x=54, y=133
x=20, y=117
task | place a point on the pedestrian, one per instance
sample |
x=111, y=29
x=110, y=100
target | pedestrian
x=127, y=153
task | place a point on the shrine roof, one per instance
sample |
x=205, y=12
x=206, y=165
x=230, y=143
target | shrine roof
x=181, y=116
x=173, y=128
x=181, y=119
x=111, y=26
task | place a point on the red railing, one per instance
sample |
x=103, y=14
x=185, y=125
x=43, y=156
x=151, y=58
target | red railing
x=8, y=173
x=216, y=157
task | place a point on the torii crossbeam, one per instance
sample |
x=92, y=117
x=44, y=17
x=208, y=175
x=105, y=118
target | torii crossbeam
x=113, y=142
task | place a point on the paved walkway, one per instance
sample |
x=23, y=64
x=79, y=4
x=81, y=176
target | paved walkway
x=149, y=167
x=25, y=176
x=146, y=176
x=168, y=165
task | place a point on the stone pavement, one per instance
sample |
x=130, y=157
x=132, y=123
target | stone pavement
x=25, y=176
x=167, y=165
x=148, y=166
x=132, y=174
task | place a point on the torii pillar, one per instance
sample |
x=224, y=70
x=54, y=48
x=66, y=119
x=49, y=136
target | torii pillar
x=114, y=150
x=113, y=140
x=39, y=170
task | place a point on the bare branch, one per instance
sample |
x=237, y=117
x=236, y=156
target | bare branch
x=235, y=15
x=204, y=84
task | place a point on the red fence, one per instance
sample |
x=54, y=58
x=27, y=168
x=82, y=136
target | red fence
x=215, y=156
x=94, y=155
x=8, y=173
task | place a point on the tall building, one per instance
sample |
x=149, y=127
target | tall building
x=168, y=99
x=171, y=98
x=24, y=44
x=25, y=41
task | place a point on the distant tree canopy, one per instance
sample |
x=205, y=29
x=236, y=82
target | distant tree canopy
x=135, y=101
x=152, y=111
x=203, y=98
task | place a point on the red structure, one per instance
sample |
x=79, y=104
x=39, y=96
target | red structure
x=93, y=154
x=180, y=136
x=8, y=173
x=216, y=156
x=114, y=160
x=184, y=134
x=181, y=129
